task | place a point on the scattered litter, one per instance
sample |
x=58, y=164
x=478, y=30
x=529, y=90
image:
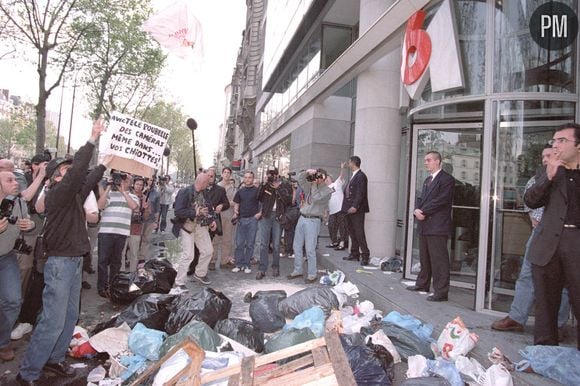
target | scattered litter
x=360, y=270
x=333, y=278
x=112, y=340
x=407, y=283
x=471, y=368
x=243, y=332
x=369, y=267
x=409, y=322
x=445, y=370
x=377, y=261
x=97, y=374
x=146, y=342
x=78, y=365
x=322, y=297
x=455, y=340
x=497, y=357
x=347, y=288
x=498, y=375
x=208, y=305
x=417, y=366
x=326, y=254
x=264, y=310
x=312, y=318
x=557, y=363
x=394, y=264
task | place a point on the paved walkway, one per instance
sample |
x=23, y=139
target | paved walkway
x=387, y=293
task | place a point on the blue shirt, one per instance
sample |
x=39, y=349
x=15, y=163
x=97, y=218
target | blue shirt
x=247, y=198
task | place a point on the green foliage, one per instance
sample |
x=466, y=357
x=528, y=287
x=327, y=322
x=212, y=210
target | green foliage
x=170, y=117
x=120, y=63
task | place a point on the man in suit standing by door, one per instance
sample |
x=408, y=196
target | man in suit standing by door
x=433, y=213
x=554, y=248
x=355, y=204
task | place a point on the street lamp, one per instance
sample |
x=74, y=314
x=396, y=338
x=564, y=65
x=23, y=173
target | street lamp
x=72, y=110
x=192, y=124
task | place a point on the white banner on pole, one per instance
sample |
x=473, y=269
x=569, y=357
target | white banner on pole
x=136, y=140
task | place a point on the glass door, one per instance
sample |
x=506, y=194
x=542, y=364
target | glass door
x=460, y=145
x=521, y=131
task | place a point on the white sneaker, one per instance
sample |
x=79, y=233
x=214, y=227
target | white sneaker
x=236, y=269
x=20, y=330
x=291, y=256
x=247, y=270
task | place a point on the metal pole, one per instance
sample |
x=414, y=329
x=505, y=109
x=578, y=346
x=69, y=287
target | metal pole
x=59, y=118
x=72, y=109
x=193, y=147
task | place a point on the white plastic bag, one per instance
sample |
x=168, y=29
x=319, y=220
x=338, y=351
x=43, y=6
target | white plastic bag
x=112, y=340
x=97, y=374
x=381, y=338
x=171, y=367
x=497, y=375
x=472, y=369
x=417, y=366
x=455, y=340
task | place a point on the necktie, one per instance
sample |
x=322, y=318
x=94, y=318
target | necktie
x=428, y=181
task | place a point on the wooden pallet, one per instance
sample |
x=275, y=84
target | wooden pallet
x=324, y=363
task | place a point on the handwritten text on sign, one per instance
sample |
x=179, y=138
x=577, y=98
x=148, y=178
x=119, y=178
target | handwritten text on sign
x=136, y=140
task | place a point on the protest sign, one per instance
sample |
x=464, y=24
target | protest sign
x=137, y=141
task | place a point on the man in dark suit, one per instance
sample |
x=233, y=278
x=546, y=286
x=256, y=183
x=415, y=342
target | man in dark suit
x=433, y=212
x=355, y=204
x=554, y=251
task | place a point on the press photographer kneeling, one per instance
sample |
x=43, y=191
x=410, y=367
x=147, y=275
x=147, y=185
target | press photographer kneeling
x=13, y=220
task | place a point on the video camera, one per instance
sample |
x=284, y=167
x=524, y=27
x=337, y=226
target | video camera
x=6, y=208
x=313, y=177
x=117, y=179
x=20, y=246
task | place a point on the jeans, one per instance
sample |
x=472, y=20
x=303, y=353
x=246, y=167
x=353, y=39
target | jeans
x=270, y=230
x=10, y=296
x=524, y=297
x=198, y=237
x=245, y=240
x=110, y=249
x=52, y=335
x=163, y=217
x=306, y=234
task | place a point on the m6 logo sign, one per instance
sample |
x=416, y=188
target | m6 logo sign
x=431, y=53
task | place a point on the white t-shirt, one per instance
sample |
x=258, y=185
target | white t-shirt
x=335, y=203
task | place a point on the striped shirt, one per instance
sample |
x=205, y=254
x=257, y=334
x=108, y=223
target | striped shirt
x=116, y=218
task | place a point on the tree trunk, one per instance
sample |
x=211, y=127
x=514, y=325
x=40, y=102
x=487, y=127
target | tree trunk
x=42, y=98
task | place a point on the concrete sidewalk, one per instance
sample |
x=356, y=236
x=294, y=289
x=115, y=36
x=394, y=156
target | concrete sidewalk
x=387, y=293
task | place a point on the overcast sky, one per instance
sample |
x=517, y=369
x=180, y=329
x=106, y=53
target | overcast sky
x=199, y=90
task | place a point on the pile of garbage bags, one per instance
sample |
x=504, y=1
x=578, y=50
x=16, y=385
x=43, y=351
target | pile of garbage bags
x=156, y=276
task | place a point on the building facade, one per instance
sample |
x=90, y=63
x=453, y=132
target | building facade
x=343, y=77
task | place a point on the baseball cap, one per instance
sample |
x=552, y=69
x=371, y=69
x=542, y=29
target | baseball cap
x=54, y=164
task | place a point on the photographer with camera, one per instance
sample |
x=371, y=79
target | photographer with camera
x=65, y=242
x=275, y=195
x=166, y=190
x=117, y=205
x=316, y=197
x=13, y=220
x=151, y=210
x=194, y=218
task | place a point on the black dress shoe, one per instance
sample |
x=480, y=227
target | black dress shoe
x=63, y=369
x=350, y=258
x=340, y=248
x=416, y=288
x=24, y=382
x=333, y=245
x=439, y=298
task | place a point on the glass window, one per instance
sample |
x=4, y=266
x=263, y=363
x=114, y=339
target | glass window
x=335, y=39
x=520, y=63
x=470, y=19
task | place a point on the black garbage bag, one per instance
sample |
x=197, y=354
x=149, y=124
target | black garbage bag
x=322, y=297
x=128, y=286
x=280, y=294
x=264, y=310
x=201, y=333
x=366, y=365
x=151, y=309
x=164, y=274
x=208, y=305
x=385, y=358
x=243, y=332
x=406, y=342
x=284, y=339
x=355, y=339
x=426, y=381
x=394, y=264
